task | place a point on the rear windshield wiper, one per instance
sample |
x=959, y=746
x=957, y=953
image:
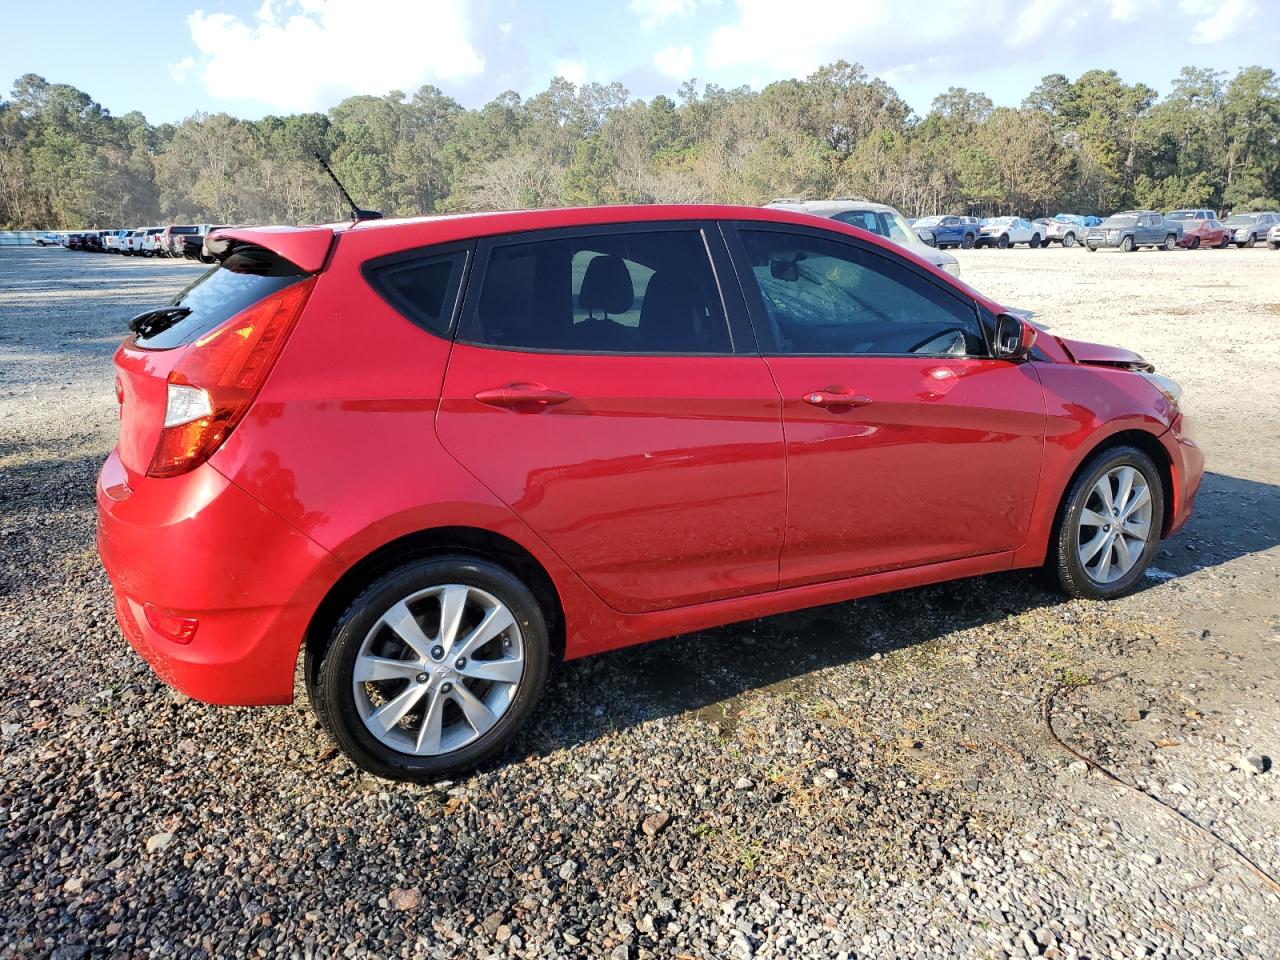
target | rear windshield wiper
x=157, y=321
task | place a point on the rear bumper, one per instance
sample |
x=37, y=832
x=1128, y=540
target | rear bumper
x=198, y=546
x=1187, y=468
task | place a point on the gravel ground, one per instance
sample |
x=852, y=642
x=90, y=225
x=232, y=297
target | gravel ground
x=867, y=780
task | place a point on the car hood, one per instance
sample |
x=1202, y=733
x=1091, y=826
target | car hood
x=1102, y=355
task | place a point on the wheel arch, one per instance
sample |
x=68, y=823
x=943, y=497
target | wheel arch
x=422, y=544
x=1149, y=444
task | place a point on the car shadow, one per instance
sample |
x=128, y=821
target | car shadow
x=707, y=673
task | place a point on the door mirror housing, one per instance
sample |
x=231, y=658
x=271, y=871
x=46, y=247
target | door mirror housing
x=1014, y=337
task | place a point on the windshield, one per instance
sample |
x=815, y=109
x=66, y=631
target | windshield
x=1181, y=215
x=999, y=221
x=928, y=221
x=1120, y=221
x=1240, y=219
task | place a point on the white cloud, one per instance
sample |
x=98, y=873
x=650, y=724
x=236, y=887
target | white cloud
x=675, y=62
x=1220, y=19
x=654, y=13
x=795, y=37
x=182, y=69
x=308, y=54
x=1130, y=11
x=575, y=71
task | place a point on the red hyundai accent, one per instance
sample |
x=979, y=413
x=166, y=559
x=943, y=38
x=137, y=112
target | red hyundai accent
x=433, y=454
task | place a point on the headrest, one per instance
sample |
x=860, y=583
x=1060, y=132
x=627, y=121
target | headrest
x=606, y=286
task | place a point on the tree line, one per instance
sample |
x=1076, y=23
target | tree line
x=1092, y=145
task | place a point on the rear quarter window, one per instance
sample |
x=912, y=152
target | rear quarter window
x=422, y=287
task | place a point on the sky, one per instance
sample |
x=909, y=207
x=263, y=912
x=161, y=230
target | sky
x=259, y=57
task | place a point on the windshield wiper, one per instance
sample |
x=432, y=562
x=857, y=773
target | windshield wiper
x=155, y=322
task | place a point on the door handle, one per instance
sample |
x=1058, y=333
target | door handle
x=836, y=396
x=523, y=395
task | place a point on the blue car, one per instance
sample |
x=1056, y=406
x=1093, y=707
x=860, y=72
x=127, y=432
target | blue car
x=949, y=231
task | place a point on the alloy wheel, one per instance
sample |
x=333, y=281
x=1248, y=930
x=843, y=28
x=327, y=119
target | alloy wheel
x=1115, y=524
x=438, y=669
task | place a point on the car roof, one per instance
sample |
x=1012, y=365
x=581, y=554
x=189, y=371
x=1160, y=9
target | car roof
x=824, y=208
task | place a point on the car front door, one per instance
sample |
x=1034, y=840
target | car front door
x=603, y=387
x=906, y=443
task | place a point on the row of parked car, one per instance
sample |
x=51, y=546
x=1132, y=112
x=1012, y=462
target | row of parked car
x=1126, y=230
x=174, y=240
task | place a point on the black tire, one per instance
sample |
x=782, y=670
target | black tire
x=334, y=697
x=1091, y=248
x=1127, y=245
x=1171, y=242
x=1274, y=244
x=1063, y=564
x=1195, y=243
x=1034, y=242
x=968, y=241
x=1253, y=239
x=1069, y=240
x=1003, y=242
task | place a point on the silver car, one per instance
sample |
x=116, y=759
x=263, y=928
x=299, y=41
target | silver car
x=1273, y=237
x=878, y=218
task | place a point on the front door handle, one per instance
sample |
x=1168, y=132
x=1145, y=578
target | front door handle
x=523, y=395
x=836, y=396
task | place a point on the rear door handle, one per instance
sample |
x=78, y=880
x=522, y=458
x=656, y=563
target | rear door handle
x=836, y=397
x=523, y=395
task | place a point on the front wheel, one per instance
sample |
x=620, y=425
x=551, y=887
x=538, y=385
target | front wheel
x=1003, y=242
x=1195, y=243
x=1127, y=245
x=1108, y=527
x=1274, y=244
x=433, y=668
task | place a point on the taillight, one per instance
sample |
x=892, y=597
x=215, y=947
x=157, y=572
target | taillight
x=212, y=387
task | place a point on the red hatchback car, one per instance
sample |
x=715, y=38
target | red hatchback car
x=1203, y=233
x=434, y=454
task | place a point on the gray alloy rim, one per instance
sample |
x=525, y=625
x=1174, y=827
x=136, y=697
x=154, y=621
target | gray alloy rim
x=438, y=669
x=1115, y=524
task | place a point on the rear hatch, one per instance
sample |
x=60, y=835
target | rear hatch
x=196, y=363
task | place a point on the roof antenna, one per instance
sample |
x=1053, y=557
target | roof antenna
x=356, y=213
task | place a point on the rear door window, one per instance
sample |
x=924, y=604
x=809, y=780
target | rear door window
x=247, y=275
x=649, y=292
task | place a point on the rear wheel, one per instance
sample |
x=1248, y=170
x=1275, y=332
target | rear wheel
x=967, y=242
x=1108, y=526
x=1069, y=240
x=433, y=668
x=1034, y=242
x=1171, y=242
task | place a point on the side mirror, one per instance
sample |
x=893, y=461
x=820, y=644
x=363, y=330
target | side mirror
x=1014, y=337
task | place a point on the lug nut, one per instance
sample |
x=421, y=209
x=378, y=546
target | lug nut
x=460, y=663
x=423, y=678
x=437, y=652
x=446, y=687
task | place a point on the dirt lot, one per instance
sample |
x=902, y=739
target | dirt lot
x=865, y=780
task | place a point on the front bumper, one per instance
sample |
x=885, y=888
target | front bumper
x=1186, y=461
x=198, y=546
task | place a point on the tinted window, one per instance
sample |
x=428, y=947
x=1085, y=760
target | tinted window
x=247, y=275
x=644, y=292
x=829, y=298
x=424, y=289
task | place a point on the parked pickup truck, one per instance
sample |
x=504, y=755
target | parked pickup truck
x=1131, y=229
x=949, y=231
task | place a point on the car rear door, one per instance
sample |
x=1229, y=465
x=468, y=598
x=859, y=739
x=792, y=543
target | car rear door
x=605, y=384
x=906, y=443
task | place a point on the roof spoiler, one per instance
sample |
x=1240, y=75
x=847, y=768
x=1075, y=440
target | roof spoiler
x=305, y=247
